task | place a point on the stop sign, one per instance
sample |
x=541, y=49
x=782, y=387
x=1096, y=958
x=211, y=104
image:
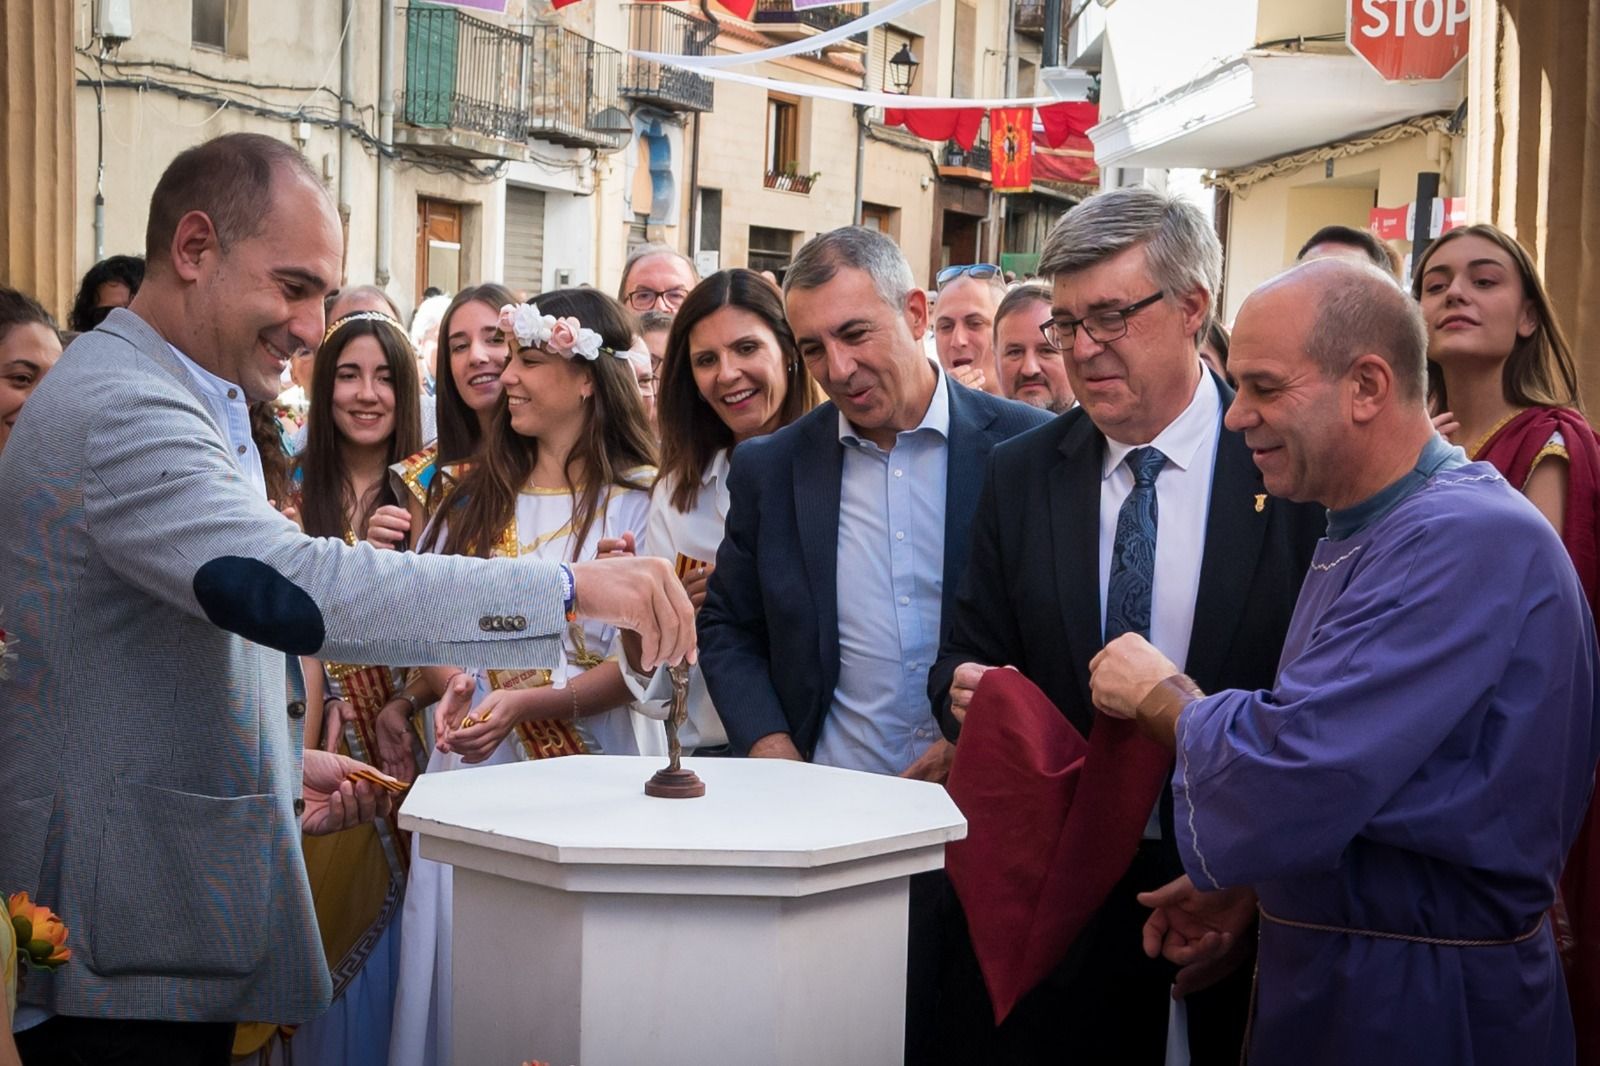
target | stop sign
x=1408, y=40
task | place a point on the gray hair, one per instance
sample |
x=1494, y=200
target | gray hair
x=1360, y=310
x=1180, y=246
x=645, y=251
x=860, y=248
x=1018, y=298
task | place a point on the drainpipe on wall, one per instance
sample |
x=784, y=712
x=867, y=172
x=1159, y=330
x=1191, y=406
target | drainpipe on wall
x=386, y=17
x=347, y=113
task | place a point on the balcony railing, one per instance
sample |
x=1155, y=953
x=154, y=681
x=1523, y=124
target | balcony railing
x=573, y=90
x=975, y=158
x=1030, y=15
x=653, y=28
x=465, y=74
x=789, y=181
x=776, y=14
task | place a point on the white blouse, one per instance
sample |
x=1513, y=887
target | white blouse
x=689, y=538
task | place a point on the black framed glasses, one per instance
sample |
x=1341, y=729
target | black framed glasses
x=643, y=299
x=1102, y=326
x=981, y=271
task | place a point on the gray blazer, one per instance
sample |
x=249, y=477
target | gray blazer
x=149, y=757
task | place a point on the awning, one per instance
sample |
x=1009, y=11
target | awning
x=1264, y=104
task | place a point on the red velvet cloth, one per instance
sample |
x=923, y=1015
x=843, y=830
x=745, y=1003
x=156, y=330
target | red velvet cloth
x=1066, y=125
x=1053, y=821
x=1512, y=451
x=959, y=124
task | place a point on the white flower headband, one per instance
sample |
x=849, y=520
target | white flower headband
x=564, y=336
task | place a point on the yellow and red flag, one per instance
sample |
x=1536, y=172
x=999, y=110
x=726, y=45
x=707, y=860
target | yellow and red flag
x=1011, y=148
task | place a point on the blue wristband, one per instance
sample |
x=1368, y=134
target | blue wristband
x=569, y=589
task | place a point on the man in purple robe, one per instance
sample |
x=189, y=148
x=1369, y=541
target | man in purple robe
x=1399, y=804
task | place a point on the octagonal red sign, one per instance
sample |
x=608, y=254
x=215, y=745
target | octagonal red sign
x=1408, y=40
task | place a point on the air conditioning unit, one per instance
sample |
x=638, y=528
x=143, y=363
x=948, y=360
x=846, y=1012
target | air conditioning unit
x=113, y=20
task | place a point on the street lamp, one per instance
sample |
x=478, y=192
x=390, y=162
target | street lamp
x=903, y=69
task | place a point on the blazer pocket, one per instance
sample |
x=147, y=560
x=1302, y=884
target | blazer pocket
x=182, y=883
x=27, y=825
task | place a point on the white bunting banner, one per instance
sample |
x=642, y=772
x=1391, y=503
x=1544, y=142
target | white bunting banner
x=793, y=48
x=850, y=96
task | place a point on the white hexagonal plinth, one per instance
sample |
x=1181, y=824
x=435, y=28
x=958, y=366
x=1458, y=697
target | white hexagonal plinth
x=764, y=923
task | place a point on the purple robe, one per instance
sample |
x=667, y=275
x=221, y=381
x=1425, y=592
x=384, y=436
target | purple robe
x=1421, y=767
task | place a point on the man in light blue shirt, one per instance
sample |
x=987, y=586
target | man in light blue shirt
x=846, y=536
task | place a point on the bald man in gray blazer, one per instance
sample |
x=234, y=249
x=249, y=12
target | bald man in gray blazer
x=151, y=782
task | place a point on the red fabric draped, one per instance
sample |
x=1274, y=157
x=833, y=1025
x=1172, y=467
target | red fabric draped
x=959, y=124
x=1055, y=164
x=1053, y=822
x=1066, y=125
x=1513, y=451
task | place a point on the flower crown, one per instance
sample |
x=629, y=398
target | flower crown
x=564, y=336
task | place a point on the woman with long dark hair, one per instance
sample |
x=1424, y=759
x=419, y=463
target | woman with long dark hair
x=474, y=352
x=730, y=373
x=363, y=415
x=566, y=463
x=1499, y=365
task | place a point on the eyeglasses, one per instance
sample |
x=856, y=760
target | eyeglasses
x=644, y=299
x=1102, y=326
x=980, y=271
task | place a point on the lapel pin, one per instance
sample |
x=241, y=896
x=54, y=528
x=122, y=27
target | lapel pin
x=1261, y=502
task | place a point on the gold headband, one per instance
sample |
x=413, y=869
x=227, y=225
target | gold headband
x=364, y=316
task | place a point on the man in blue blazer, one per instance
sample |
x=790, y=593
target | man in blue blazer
x=845, y=541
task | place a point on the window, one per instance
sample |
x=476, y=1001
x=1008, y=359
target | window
x=218, y=25
x=438, y=245
x=710, y=220
x=884, y=44
x=783, y=135
x=771, y=249
x=886, y=220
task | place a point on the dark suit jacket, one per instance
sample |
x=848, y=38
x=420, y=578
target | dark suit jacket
x=769, y=628
x=1031, y=599
x=1031, y=594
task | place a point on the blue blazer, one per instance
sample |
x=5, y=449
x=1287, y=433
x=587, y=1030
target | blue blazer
x=769, y=628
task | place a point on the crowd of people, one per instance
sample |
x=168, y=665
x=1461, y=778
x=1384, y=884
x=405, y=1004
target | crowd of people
x=1304, y=609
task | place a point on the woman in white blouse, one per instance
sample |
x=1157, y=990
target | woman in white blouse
x=730, y=373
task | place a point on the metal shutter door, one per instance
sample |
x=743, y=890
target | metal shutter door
x=524, y=240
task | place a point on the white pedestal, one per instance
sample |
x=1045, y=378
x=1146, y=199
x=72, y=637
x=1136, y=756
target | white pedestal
x=763, y=924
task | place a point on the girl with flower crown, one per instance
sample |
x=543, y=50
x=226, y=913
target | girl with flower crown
x=567, y=462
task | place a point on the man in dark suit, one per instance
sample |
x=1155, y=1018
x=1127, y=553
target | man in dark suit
x=1065, y=555
x=845, y=540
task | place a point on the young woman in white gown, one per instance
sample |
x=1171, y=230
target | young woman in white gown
x=567, y=464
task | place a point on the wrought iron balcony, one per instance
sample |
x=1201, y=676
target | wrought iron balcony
x=479, y=89
x=573, y=93
x=972, y=163
x=781, y=16
x=653, y=28
x=1030, y=16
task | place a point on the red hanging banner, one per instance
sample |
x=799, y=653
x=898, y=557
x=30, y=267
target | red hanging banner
x=959, y=124
x=1011, y=149
x=1066, y=125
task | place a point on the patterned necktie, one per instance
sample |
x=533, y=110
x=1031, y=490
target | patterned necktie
x=1133, y=554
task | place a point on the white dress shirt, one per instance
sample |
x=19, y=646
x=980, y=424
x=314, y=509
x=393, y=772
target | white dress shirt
x=231, y=411
x=1183, y=500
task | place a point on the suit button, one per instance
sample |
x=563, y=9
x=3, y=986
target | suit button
x=299, y=807
x=297, y=708
x=518, y=623
x=486, y=623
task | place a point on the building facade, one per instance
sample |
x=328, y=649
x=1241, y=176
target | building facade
x=1288, y=129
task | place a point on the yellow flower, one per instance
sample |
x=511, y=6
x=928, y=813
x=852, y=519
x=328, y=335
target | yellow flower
x=41, y=934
